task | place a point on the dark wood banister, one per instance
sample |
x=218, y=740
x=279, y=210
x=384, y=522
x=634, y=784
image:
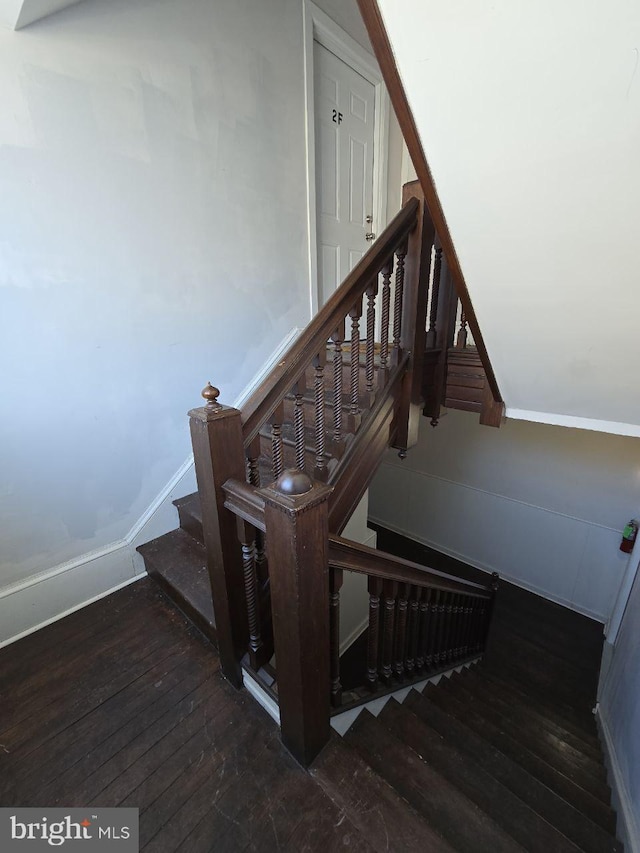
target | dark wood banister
x=286, y=524
x=244, y=501
x=280, y=381
x=353, y=557
x=384, y=54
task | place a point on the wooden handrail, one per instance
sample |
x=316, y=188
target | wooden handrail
x=245, y=501
x=353, y=557
x=280, y=381
x=384, y=54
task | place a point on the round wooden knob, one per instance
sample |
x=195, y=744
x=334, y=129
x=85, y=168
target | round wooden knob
x=292, y=481
x=211, y=394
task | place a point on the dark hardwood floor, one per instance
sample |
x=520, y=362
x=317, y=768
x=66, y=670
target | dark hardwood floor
x=122, y=703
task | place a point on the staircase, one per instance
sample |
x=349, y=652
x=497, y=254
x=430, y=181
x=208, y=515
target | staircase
x=458, y=768
x=500, y=756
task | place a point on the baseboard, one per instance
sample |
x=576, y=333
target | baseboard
x=628, y=828
x=464, y=558
x=44, y=598
x=32, y=604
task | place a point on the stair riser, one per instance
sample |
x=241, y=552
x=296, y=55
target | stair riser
x=191, y=524
x=537, y=767
x=587, y=835
x=583, y=772
x=506, y=809
x=527, y=716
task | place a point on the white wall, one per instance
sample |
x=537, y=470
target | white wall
x=152, y=237
x=529, y=115
x=619, y=712
x=542, y=505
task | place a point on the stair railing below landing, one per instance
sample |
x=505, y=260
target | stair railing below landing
x=421, y=621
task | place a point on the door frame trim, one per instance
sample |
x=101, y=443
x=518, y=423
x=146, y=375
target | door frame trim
x=318, y=26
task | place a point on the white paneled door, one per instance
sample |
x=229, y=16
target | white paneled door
x=344, y=130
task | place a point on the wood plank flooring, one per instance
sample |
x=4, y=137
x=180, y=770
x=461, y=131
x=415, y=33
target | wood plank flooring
x=122, y=703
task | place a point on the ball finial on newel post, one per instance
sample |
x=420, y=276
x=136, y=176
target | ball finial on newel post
x=211, y=394
x=294, y=482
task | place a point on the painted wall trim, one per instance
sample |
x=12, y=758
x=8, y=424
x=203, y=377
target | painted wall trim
x=43, y=598
x=458, y=555
x=574, y=421
x=630, y=831
x=318, y=26
x=504, y=498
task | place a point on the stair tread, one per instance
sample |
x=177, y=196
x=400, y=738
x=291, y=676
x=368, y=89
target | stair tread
x=178, y=562
x=552, y=710
x=583, y=800
x=498, y=801
x=373, y=806
x=578, y=827
x=522, y=710
x=581, y=722
x=466, y=827
x=538, y=742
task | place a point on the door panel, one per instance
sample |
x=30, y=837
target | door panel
x=344, y=122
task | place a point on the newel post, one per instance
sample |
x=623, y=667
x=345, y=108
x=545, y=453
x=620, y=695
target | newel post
x=414, y=318
x=297, y=536
x=216, y=435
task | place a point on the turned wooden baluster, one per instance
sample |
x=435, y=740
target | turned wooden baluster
x=387, y=270
x=298, y=423
x=372, y=292
x=442, y=628
x=390, y=589
x=399, y=296
x=461, y=626
x=468, y=627
x=431, y=658
x=277, y=459
x=478, y=622
x=253, y=478
x=423, y=627
x=471, y=639
x=449, y=628
x=318, y=393
x=247, y=537
x=401, y=630
x=354, y=384
x=449, y=625
x=373, y=637
x=335, y=585
x=412, y=631
x=253, y=471
x=431, y=339
x=338, y=339
x=461, y=339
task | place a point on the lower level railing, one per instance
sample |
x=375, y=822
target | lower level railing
x=421, y=621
